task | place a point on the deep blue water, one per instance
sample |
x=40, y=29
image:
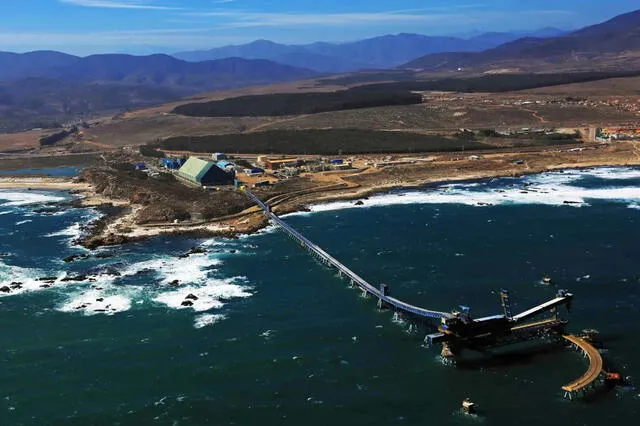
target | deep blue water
x=277, y=339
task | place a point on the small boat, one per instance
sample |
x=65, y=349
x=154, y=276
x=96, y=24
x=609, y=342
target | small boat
x=468, y=406
x=546, y=280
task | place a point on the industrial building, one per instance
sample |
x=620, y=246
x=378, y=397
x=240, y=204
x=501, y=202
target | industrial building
x=204, y=173
x=278, y=164
x=218, y=156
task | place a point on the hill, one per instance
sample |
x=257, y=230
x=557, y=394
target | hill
x=381, y=52
x=611, y=44
x=39, y=89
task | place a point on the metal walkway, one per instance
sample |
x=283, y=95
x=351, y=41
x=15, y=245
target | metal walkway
x=593, y=374
x=326, y=258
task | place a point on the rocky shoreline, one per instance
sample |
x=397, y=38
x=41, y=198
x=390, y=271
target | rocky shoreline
x=134, y=207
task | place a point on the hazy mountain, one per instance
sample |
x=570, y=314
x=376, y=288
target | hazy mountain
x=44, y=87
x=382, y=52
x=153, y=70
x=596, y=46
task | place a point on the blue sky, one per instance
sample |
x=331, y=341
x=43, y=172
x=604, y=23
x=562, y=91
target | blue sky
x=145, y=26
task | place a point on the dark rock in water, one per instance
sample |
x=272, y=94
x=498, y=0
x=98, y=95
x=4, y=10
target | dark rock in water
x=359, y=203
x=192, y=297
x=100, y=310
x=75, y=257
x=233, y=251
x=45, y=286
x=100, y=299
x=47, y=210
x=104, y=255
x=144, y=271
x=572, y=202
x=47, y=279
x=187, y=303
x=174, y=283
x=80, y=277
x=5, y=254
x=194, y=250
x=5, y=289
x=15, y=285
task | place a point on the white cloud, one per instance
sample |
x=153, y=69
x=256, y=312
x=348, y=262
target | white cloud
x=120, y=4
x=245, y=19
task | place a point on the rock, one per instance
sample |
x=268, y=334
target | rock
x=359, y=203
x=187, y=303
x=75, y=257
x=5, y=289
x=233, y=251
x=104, y=255
x=192, y=297
x=174, y=283
x=47, y=279
x=100, y=299
x=74, y=278
x=193, y=250
x=45, y=286
x=15, y=285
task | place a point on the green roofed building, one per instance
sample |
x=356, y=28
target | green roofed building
x=204, y=173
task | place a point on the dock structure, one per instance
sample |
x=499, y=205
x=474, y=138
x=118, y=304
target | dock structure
x=594, y=375
x=382, y=293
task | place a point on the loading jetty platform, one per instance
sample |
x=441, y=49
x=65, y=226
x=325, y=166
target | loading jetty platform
x=458, y=330
x=595, y=374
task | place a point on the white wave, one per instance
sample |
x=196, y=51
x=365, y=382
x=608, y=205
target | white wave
x=209, y=296
x=26, y=198
x=207, y=319
x=189, y=270
x=21, y=280
x=74, y=231
x=544, y=189
x=634, y=206
x=22, y=222
x=94, y=302
x=2, y=213
x=617, y=173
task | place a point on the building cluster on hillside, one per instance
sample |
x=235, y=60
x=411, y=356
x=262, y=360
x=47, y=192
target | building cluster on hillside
x=222, y=170
x=619, y=134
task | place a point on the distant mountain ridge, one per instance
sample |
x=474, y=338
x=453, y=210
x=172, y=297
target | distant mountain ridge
x=387, y=51
x=601, y=42
x=39, y=89
x=152, y=70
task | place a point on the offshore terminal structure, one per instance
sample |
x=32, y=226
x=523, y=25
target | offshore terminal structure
x=458, y=330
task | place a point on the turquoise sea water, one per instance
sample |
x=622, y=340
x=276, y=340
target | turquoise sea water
x=274, y=338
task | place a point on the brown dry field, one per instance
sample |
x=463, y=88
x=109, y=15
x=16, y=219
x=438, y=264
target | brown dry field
x=19, y=141
x=613, y=87
x=439, y=113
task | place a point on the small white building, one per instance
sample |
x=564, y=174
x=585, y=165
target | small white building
x=218, y=156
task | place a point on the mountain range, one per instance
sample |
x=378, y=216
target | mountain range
x=614, y=43
x=39, y=89
x=382, y=52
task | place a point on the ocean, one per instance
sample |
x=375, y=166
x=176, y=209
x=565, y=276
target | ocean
x=257, y=332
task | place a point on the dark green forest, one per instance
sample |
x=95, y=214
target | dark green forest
x=330, y=142
x=298, y=103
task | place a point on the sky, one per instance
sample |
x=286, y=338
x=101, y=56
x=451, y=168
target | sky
x=85, y=27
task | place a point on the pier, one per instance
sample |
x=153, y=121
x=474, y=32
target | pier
x=595, y=373
x=456, y=330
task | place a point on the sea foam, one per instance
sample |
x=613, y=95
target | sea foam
x=553, y=188
x=13, y=198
